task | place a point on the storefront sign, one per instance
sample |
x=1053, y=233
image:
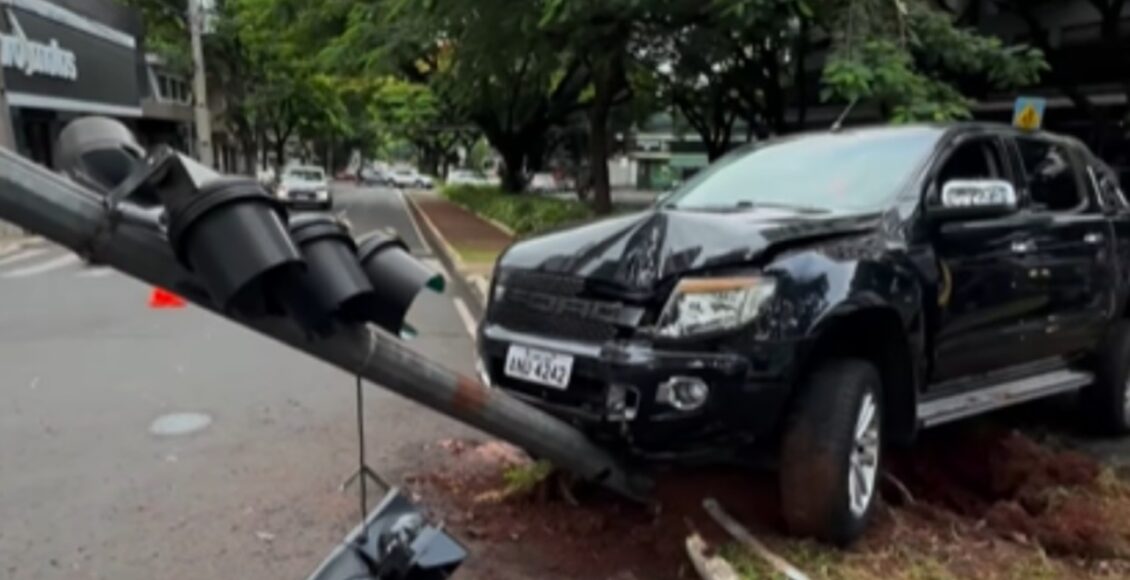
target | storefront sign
x=34, y=57
x=55, y=59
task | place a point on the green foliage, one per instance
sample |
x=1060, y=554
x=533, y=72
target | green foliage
x=525, y=214
x=535, y=76
x=166, y=31
x=909, y=57
x=523, y=479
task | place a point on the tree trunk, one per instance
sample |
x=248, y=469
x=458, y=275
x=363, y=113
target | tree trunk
x=598, y=160
x=280, y=153
x=264, y=152
x=606, y=82
x=250, y=153
x=513, y=172
x=799, y=78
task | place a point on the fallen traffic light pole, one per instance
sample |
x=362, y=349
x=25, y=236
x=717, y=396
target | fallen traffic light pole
x=107, y=228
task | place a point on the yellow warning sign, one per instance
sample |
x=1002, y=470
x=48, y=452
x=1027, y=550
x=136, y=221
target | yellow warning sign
x=1028, y=113
x=1028, y=119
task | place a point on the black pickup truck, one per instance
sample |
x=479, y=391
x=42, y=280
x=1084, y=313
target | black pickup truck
x=824, y=296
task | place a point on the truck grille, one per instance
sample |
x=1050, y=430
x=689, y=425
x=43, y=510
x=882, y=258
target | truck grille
x=519, y=318
x=533, y=303
x=556, y=284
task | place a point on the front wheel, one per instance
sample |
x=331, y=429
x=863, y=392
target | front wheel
x=831, y=450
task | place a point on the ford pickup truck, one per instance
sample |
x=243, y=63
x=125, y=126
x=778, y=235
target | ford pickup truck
x=825, y=296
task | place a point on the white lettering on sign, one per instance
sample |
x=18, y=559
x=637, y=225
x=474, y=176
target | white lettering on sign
x=36, y=58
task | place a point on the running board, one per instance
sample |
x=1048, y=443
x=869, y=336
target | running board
x=974, y=402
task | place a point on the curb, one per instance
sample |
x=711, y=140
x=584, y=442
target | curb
x=501, y=226
x=14, y=245
x=478, y=285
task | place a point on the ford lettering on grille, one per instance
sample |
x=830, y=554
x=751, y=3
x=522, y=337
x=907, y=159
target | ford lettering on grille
x=611, y=312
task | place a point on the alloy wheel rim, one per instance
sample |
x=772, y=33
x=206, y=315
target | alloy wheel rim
x=1126, y=399
x=863, y=466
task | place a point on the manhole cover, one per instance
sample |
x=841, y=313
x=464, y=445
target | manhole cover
x=179, y=423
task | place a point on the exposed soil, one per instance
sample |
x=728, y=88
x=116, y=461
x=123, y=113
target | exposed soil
x=984, y=503
x=1021, y=489
x=462, y=228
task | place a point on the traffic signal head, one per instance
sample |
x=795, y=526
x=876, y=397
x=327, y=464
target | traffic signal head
x=397, y=277
x=98, y=153
x=333, y=283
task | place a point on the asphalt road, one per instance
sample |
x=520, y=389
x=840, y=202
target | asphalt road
x=88, y=490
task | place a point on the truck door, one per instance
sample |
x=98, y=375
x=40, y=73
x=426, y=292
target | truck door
x=988, y=306
x=1074, y=247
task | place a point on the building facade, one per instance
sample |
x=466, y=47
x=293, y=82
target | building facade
x=63, y=59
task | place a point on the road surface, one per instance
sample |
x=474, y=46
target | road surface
x=89, y=490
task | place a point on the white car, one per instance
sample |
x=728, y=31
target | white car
x=466, y=177
x=305, y=185
x=406, y=177
x=544, y=183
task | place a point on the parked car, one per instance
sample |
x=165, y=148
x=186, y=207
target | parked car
x=406, y=177
x=265, y=176
x=374, y=176
x=821, y=297
x=306, y=186
x=543, y=183
x=466, y=177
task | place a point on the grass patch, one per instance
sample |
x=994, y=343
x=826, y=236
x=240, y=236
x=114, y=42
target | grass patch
x=523, y=479
x=476, y=255
x=523, y=213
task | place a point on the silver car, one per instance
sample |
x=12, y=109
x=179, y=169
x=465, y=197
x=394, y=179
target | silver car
x=306, y=186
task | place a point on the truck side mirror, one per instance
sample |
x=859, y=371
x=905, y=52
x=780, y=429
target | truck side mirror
x=969, y=199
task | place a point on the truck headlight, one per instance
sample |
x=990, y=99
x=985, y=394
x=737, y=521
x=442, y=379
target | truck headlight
x=322, y=194
x=704, y=305
x=281, y=191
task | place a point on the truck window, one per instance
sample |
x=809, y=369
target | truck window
x=977, y=159
x=1106, y=183
x=1050, y=176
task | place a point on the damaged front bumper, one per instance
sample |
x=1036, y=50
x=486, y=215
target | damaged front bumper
x=654, y=402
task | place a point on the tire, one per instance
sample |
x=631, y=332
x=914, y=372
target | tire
x=1105, y=403
x=832, y=442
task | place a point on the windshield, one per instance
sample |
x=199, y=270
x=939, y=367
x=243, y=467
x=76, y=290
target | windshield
x=849, y=171
x=305, y=174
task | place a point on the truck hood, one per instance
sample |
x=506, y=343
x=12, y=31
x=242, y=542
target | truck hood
x=638, y=250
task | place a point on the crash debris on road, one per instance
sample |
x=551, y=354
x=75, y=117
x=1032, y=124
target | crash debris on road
x=984, y=502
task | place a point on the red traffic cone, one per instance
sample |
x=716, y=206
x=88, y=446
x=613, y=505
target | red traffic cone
x=162, y=298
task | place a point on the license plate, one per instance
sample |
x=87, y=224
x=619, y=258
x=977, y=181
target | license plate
x=539, y=366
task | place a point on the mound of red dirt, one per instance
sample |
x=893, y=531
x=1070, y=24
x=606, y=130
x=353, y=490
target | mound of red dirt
x=1017, y=486
x=603, y=535
x=988, y=486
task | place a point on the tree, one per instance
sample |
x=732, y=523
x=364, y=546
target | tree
x=167, y=31
x=600, y=33
x=485, y=62
x=908, y=57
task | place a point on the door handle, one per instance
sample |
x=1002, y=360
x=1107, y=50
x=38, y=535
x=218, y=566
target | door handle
x=1093, y=238
x=1023, y=246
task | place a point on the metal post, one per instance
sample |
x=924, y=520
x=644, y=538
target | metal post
x=68, y=214
x=200, y=87
x=7, y=135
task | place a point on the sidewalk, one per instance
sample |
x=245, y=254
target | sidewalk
x=13, y=239
x=469, y=242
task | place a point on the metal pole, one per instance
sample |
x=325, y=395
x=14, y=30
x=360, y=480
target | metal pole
x=200, y=87
x=7, y=136
x=68, y=214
